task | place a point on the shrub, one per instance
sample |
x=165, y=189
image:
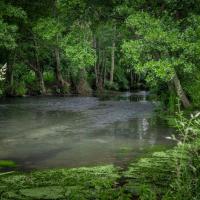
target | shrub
x=20, y=89
x=111, y=86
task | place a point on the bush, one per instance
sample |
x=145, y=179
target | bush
x=49, y=77
x=193, y=89
x=20, y=89
x=111, y=86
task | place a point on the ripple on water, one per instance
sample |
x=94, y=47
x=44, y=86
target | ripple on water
x=76, y=131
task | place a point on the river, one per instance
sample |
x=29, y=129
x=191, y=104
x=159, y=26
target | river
x=57, y=132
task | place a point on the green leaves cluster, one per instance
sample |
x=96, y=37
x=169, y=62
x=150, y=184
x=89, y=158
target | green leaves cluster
x=77, y=46
x=48, y=29
x=7, y=30
x=158, y=46
x=7, y=33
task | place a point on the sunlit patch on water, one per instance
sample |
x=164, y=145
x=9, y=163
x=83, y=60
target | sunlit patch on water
x=78, y=131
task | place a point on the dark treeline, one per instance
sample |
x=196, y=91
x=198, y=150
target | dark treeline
x=61, y=47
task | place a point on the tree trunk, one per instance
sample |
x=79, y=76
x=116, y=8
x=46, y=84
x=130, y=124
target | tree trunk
x=104, y=76
x=10, y=81
x=180, y=92
x=132, y=79
x=112, y=62
x=96, y=63
x=82, y=86
x=104, y=71
x=58, y=73
x=37, y=69
x=40, y=79
x=9, y=74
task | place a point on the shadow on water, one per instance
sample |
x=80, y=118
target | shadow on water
x=55, y=132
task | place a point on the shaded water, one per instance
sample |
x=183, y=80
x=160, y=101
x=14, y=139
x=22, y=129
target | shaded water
x=46, y=132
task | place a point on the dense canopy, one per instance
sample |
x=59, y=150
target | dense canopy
x=62, y=47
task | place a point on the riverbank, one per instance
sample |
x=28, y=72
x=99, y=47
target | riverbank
x=153, y=177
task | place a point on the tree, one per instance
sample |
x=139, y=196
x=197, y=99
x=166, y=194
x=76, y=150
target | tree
x=50, y=30
x=157, y=49
x=77, y=46
x=8, y=30
x=8, y=35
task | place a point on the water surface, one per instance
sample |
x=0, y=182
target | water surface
x=56, y=132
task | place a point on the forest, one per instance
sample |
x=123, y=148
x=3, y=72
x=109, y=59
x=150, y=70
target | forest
x=99, y=99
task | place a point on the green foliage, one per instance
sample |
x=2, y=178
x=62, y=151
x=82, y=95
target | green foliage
x=150, y=51
x=81, y=183
x=8, y=30
x=146, y=193
x=160, y=46
x=49, y=77
x=48, y=29
x=121, y=78
x=78, y=47
x=29, y=78
x=189, y=129
x=8, y=10
x=192, y=87
x=20, y=89
x=172, y=104
x=111, y=86
x=155, y=40
x=7, y=163
x=23, y=79
x=186, y=185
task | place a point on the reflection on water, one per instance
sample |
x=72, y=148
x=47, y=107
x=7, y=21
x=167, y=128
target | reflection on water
x=141, y=96
x=78, y=131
